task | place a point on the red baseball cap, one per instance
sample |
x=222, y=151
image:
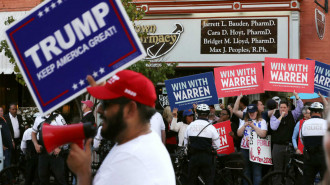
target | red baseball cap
x=89, y=103
x=129, y=84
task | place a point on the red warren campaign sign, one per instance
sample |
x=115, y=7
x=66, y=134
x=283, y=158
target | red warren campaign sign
x=226, y=141
x=288, y=75
x=234, y=80
x=60, y=42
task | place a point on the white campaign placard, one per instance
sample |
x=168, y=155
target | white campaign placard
x=260, y=149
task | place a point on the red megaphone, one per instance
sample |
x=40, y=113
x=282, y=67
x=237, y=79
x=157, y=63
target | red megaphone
x=52, y=137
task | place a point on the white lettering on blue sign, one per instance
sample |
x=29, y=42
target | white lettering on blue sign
x=53, y=45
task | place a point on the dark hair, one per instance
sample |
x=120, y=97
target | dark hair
x=245, y=100
x=316, y=111
x=284, y=102
x=145, y=112
x=184, y=120
x=15, y=104
x=255, y=102
x=308, y=104
x=227, y=110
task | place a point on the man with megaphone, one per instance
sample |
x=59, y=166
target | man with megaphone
x=139, y=157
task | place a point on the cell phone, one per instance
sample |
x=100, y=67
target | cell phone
x=249, y=119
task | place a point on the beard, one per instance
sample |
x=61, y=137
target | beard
x=113, y=126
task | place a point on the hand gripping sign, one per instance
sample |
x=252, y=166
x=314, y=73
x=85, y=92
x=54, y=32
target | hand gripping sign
x=226, y=141
x=60, y=42
x=234, y=80
x=183, y=92
x=288, y=75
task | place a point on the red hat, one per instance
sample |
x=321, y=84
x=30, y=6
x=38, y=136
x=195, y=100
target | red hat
x=89, y=103
x=129, y=84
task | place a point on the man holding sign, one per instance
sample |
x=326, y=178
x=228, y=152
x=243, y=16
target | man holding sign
x=138, y=157
x=282, y=124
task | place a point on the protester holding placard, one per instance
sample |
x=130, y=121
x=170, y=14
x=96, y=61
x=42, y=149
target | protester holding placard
x=224, y=115
x=282, y=125
x=252, y=122
x=188, y=117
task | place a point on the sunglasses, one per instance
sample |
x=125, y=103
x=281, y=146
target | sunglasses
x=106, y=103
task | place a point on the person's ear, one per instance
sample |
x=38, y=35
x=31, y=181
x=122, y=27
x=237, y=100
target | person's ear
x=130, y=110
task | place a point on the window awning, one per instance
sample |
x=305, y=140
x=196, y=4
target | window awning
x=5, y=66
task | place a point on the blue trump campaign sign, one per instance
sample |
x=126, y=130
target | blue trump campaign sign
x=185, y=91
x=321, y=78
x=60, y=42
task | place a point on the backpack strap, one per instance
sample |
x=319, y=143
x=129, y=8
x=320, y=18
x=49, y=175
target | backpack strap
x=47, y=120
x=203, y=129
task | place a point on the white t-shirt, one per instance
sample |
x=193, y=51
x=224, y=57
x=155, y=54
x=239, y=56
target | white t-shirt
x=141, y=161
x=247, y=132
x=157, y=123
x=196, y=126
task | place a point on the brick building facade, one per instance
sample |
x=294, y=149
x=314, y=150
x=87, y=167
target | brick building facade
x=311, y=46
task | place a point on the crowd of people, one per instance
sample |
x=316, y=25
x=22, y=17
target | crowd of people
x=140, y=151
x=22, y=141
x=283, y=120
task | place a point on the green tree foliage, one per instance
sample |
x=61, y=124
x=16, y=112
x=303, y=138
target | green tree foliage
x=157, y=73
x=4, y=47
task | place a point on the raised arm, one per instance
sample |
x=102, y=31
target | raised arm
x=237, y=112
x=324, y=100
x=300, y=105
x=175, y=126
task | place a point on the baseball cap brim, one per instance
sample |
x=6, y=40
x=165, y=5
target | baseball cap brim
x=188, y=114
x=252, y=110
x=101, y=92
